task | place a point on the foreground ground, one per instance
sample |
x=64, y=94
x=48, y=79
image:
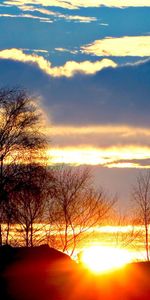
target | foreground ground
x=43, y=273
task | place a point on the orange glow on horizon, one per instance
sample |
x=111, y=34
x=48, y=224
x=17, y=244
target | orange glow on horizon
x=105, y=259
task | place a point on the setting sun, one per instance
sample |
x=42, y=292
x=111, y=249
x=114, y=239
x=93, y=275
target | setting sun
x=104, y=259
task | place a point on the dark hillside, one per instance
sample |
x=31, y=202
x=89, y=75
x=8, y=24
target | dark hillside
x=34, y=273
x=43, y=273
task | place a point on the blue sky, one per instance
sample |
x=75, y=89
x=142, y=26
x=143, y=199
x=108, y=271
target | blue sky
x=88, y=63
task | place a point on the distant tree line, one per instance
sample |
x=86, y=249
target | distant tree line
x=40, y=203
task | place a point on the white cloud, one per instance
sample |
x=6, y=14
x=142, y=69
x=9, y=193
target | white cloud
x=28, y=16
x=104, y=24
x=86, y=67
x=75, y=4
x=34, y=50
x=67, y=17
x=68, y=69
x=81, y=19
x=46, y=12
x=66, y=50
x=39, y=50
x=123, y=46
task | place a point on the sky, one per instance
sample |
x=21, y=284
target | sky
x=87, y=62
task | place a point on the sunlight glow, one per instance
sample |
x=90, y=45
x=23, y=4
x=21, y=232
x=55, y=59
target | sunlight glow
x=105, y=259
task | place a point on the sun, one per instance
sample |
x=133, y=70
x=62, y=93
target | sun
x=104, y=259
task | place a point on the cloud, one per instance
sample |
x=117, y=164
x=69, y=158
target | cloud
x=143, y=163
x=123, y=46
x=104, y=24
x=86, y=67
x=76, y=18
x=66, y=50
x=89, y=112
x=27, y=16
x=75, y=4
x=35, y=50
x=99, y=136
x=109, y=146
x=69, y=69
x=112, y=96
x=81, y=19
x=50, y=13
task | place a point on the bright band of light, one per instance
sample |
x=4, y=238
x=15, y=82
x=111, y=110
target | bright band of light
x=110, y=157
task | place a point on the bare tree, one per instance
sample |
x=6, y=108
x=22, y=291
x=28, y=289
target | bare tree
x=75, y=207
x=27, y=201
x=19, y=133
x=126, y=232
x=141, y=197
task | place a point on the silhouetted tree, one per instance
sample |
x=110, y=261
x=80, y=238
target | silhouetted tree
x=75, y=207
x=19, y=133
x=141, y=197
x=28, y=200
x=126, y=232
